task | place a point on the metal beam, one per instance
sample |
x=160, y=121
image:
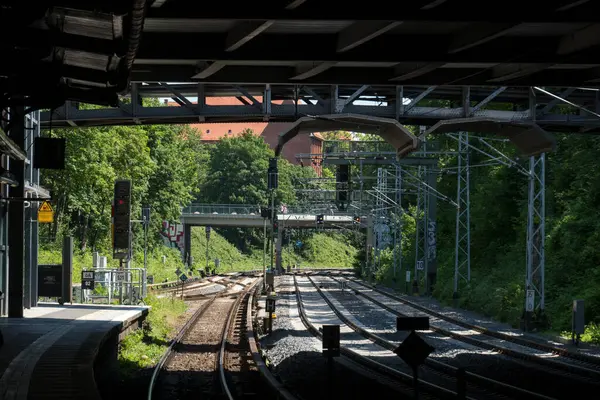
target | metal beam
x=571, y=4
x=361, y=32
x=377, y=10
x=417, y=99
x=16, y=219
x=310, y=47
x=491, y=97
x=309, y=70
x=477, y=34
x=520, y=75
x=552, y=103
x=356, y=94
x=208, y=69
x=290, y=112
x=503, y=73
x=580, y=40
x=404, y=72
x=243, y=32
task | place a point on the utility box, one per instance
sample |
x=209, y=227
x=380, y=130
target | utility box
x=331, y=341
x=270, y=279
x=270, y=305
x=578, y=321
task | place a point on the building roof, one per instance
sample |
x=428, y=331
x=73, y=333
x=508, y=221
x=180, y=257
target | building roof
x=214, y=131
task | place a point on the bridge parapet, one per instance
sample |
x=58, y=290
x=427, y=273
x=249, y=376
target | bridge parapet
x=252, y=210
x=249, y=216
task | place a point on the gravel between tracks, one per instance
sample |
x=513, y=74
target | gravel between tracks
x=486, y=322
x=450, y=326
x=452, y=351
x=190, y=373
x=298, y=361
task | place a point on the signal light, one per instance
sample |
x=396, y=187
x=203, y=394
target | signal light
x=356, y=219
x=121, y=225
x=320, y=219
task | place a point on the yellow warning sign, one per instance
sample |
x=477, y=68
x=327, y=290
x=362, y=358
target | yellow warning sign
x=45, y=213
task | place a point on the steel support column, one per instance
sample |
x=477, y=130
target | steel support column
x=536, y=215
x=462, y=248
x=397, y=262
x=16, y=219
x=32, y=177
x=431, y=242
x=421, y=214
x=279, y=249
x=380, y=217
x=28, y=264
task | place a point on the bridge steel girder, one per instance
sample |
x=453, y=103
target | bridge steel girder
x=287, y=103
x=256, y=221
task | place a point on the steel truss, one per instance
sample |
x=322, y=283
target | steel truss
x=536, y=226
x=462, y=249
x=287, y=103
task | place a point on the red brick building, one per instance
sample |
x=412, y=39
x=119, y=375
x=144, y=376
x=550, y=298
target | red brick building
x=270, y=131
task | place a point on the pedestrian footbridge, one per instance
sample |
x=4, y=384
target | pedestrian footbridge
x=235, y=215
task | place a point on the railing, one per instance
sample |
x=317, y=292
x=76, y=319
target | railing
x=352, y=146
x=240, y=209
x=228, y=209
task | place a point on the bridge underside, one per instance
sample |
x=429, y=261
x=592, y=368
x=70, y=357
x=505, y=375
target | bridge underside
x=427, y=42
x=88, y=51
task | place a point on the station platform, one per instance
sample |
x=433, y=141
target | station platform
x=63, y=352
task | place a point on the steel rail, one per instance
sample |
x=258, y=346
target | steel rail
x=582, y=358
x=372, y=365
x=182, y=332
x=275, y=386
x=482, y=381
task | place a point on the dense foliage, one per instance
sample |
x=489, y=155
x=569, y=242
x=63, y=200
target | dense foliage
x=170, y=168
x=498, y=234
x=164, y=164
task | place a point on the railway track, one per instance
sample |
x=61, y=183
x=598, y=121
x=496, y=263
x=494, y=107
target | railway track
x=477, y=386
x=213, y=357
x=401, y=381
x=576, y=364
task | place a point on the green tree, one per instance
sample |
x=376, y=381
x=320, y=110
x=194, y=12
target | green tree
x=95, y=158
x=180, y=160
x=237, y=173
x=164, y=163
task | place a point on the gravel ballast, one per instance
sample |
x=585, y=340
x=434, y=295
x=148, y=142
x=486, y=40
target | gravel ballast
x=297, y=359
x=451, y=351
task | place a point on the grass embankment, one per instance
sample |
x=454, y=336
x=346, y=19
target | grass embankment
x=156, y=267
x=143, y=348
x=322, y=250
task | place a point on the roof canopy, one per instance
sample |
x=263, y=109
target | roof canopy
x=390, y=130
x=528, y=137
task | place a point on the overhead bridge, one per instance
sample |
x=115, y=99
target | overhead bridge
x=249, y=216
x=239, y=216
